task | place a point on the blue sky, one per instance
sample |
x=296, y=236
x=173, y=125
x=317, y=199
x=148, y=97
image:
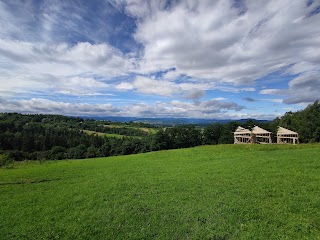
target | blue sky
x=195, y=59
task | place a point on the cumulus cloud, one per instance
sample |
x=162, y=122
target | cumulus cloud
x=207, y=109
x=43, y=66
x=43, y=46
x=194, y=94
x=229, y=43
x=174, y=49
x=304, y=89
x=36, y=105
x=51, y=84
x=157, y=87
x=166, y=88
x=41, y=58
x=171, y=75
x=273, y=91
x=214, y=105
x=124, y=86
x=175, y=108
x=84, y=86
x=221, y=41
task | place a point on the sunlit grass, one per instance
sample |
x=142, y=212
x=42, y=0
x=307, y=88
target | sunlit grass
x=100, y=134
x=144, y=129
x=208, y=192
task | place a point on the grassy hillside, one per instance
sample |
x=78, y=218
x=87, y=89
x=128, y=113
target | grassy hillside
x=144, y=129
x=209, y=192
x=100, y=134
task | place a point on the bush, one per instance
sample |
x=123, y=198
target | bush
x=57, y=153
x=5, y=160
x=16, y=155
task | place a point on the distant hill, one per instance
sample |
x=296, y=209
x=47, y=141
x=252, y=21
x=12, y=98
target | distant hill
x=171, y=121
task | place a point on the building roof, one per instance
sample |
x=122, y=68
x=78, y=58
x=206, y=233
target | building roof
x=283, y=131
x=242, y=130
x=259, y=130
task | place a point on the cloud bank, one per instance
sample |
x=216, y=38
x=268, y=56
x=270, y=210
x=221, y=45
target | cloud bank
x=175, y=55
x=207, y=109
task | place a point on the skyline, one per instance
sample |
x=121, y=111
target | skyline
x=133, y=58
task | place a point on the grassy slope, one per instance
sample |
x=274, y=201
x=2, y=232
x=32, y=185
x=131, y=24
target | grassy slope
x=217, y=192
x=148, y=130
x=100, y=134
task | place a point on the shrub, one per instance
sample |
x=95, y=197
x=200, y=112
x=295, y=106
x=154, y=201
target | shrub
x=5, y=160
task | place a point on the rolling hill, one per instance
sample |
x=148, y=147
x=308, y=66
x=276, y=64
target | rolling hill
x=208, y=192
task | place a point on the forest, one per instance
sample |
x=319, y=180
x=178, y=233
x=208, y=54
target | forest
x=43, y=137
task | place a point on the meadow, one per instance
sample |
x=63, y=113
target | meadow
x=207, y=192
x=100, y=134
x=145, y=129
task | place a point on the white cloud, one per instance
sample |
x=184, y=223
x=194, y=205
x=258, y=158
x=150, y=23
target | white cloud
x=193, y=89
x=41, y=67
x=219, y=98
x=207, y=109
x=211, y=45
x=276, y=100
x=273, y=91
x=162, y=87
x=302, y=67
x=79, y=86
x=124, y=86
x=51, y=84
x=40, y=105
x=63, y=59
x=235, y=89
x=210, y=39
x=171, y=75
x=304, y=89
x=194, y=94
x=156, y=87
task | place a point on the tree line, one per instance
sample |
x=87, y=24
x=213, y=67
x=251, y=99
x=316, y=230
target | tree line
x=306, y=122
x=41, y=137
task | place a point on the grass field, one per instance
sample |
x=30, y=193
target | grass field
x=148, y=130
x=209, y=192
x=100, y=134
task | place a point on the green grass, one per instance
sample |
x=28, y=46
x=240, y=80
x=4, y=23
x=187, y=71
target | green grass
x=144, y=129
x=209, y=192
x=100, y=134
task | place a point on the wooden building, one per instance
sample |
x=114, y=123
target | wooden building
x=242, y=135
x=256, y=135
x=287, y=136
x=261, y=136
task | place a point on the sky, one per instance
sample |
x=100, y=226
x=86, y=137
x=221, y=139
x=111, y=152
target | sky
x=227, y=59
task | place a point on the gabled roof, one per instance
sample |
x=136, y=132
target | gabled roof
x=259, y=130
x=282, y=130
x=242, y=130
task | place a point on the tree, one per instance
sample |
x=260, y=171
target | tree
x=162, y=140
x=226, y=136
x=92, y=152
x=57, y=153
x=306, y=122
x=212, y=133
x=104, y=150
x=77, y=152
